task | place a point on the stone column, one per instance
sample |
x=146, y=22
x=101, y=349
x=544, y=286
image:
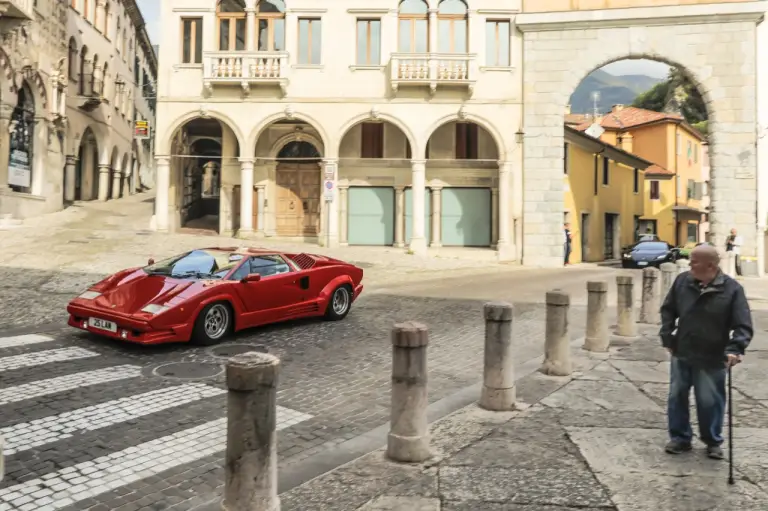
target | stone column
x=418, y=243
x=495, y=217
x=557, y=347
x=260, y=195
x=399, y=216
x=162, y=192
x=408, y=438
x=250, y=28
x=343, y=205
x=70, y=178
x=668, y=274
x=504, y=245
x=5, y=142
x=433, y=28
x=246, y=197
x=226, y=194
x=625, y=306
x=104, y=176
x=117, y=183
x=99, y=18
x=499, y=393
x=597, y=317
x=649, y=307
x=437, y=216
x=683, y=265
x=331, y=238
x=251, y=455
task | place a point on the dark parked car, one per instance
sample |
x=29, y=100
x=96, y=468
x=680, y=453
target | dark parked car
x=648, y=253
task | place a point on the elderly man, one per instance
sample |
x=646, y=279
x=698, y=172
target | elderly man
x=705, y=325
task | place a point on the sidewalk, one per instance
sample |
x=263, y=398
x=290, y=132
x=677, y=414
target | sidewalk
x=590, y=442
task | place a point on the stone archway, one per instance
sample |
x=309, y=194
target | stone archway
x=562, y=48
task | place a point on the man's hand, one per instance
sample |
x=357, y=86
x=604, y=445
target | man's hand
x=732, y=360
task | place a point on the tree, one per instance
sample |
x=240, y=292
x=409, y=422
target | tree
x=676, y=94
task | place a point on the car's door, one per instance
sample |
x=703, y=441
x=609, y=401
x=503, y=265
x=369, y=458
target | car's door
x=271, y=297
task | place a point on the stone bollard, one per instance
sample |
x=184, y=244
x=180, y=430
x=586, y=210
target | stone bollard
x=625, y=306
x=597, y=320
x=251, y=456
x=650, y=306
x=668, y=275
x=408, y=438
x=557, y=346
x=683, y=265
x=498, y=392
x=728, y=264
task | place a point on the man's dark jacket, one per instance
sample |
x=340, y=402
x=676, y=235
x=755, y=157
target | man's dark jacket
x=712, y=321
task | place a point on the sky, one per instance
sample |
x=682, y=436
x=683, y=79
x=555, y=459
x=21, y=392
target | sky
x=150, y=9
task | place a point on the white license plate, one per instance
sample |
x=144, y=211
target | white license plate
x=102, y=324
x=642, y=263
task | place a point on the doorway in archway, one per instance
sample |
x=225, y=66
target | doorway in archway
x=298, y=190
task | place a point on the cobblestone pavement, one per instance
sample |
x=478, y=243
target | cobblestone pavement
x=591, y=442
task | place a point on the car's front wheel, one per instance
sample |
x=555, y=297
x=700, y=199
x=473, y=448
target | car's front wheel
x=213, y=324
x=340, y=303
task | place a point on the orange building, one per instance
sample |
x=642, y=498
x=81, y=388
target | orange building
x=673, y=202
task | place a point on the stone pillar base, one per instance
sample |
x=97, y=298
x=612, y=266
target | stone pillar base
x=622, y=340
x=506, y=251
x=418, y=246
x=245, y=234
x=408, y=448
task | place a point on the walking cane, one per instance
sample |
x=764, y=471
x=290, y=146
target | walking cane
x=730, y=428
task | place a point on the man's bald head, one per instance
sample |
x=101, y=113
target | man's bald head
x=705, y=263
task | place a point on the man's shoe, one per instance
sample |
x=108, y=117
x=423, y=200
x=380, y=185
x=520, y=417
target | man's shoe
x=675, y=447
x=715, y=452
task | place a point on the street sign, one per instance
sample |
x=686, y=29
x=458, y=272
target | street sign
x=328, y=189
x=141, y=130
x=329, y=173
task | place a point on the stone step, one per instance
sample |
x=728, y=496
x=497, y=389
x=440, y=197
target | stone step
x=8, y=222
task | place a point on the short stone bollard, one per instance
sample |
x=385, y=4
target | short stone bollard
x=625, y=306
x=251, y=455
x=683, y=265
x=499, y=393
x=597, y=317
x=408, y=438
x=668, y=275
x=557, y=346
x=729, y=263
x=649, y=307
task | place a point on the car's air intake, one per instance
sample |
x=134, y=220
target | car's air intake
x=304, y=261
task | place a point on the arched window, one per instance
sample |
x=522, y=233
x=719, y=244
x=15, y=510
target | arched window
x=21, y=144
x=117, y=36
x=414, y=27
x=83, y=70
x=105, y=27
x=73, y=60
x=95, y=83
x=124, y=42
x=270, y=25
x=298, y=150
x=104, y=79
x=231, y=25
x=452, y=26
x=86, y=9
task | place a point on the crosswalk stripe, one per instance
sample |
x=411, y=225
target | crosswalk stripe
x=24, y=340
x=73, y=484
x=44, y=357
x=71, y=381
x=27, y=435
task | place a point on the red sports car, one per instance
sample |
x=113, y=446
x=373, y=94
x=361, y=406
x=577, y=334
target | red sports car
x=203, y=295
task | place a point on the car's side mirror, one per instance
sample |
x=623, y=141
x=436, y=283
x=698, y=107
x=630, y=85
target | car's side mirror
x=253, y=277
x=150, y=262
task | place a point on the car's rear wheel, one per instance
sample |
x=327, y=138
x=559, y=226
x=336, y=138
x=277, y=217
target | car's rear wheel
x=340, y=303
x=213, y=324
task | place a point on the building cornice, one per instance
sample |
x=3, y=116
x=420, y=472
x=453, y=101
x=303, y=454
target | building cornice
x=642, y=16
x=498, y=12
x=307, y=10
x=369, y=11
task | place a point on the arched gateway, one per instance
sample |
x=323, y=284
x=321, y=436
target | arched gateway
x=714, y=43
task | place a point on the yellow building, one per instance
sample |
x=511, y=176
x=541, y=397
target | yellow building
x=603, y=196
x=675, y=184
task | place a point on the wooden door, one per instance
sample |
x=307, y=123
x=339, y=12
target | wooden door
x=298, y=200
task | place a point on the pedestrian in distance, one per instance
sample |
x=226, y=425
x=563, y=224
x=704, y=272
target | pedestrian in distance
x=568, y=241
x=706, y=326
x=733, y=244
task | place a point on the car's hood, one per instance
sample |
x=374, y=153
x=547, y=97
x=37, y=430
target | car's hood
x=646, y=254
x=129, y=293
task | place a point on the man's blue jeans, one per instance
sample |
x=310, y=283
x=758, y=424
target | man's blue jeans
x=709, y=389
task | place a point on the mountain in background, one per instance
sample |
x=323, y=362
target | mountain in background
x=614, y=90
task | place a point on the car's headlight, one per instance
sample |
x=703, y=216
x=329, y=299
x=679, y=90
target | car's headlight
x=662, y=256
x=89, y=295
x=154, y=308
x=627, y=256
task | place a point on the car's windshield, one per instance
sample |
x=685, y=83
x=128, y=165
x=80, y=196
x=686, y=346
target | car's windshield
x=650, y=245
x=198, y=264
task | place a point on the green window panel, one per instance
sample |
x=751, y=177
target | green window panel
x=409, y=215
x=466, y=217
x=371, y=216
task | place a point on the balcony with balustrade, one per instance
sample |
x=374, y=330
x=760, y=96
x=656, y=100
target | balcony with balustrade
x=245, y=69
x=433, y=70
x=590, y=5
x=16, y=10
